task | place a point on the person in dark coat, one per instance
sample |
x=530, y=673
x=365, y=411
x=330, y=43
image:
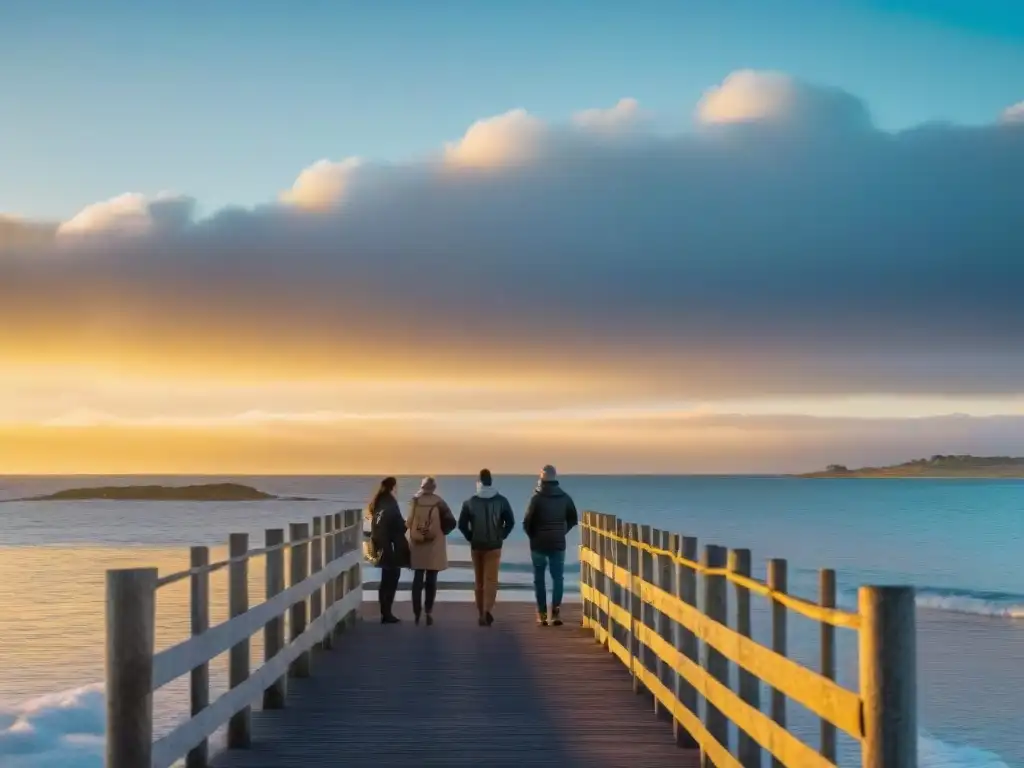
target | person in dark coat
x=550, y=515
x=486, y=520
x=387, y=532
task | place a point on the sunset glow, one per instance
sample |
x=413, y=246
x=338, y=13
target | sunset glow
x=768, y=276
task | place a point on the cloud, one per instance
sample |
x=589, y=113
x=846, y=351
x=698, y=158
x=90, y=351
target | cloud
x=16, y=232
x=1014, y=114
x=625, y=442
x=785, y=246
x=513, y=138
x=323, y=184
x=131, y=214
x=625, y=115
x=773, y=97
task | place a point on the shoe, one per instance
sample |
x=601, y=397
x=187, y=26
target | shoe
x=390, y=620
x=482, y=621
x=416, y=619
x=542, y=619
x=556, y=620
x=488, y=618
x=430, y=620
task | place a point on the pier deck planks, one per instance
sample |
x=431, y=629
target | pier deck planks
x=456, y=694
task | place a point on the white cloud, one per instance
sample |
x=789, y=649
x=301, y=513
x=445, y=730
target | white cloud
x=626, y=114
x=131, y=214
x=323, y=184
x=1014, y=114
x=774, y=97
x=513, y=138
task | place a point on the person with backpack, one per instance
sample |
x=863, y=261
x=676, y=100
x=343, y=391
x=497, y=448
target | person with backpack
x=387, y=548
x=550, y=515
x=430, y=520
x=486, y=520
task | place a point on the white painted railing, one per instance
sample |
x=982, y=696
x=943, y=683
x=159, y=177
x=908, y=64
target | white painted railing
x=322, y=600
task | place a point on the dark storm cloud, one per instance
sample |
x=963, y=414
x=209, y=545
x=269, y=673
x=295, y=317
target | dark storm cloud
x=784, y=242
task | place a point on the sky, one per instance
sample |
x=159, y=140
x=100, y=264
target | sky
x=407, y=237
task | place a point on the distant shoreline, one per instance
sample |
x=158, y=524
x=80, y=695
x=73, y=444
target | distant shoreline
x=938, y=467
x=233, y=492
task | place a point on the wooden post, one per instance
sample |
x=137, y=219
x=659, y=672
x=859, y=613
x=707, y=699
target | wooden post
x=608, y=583
x=635, y=607
x=240, y=724
x=273, y=632
x=328, y=641
x=646, y=610
x=669, y=630
x=621, y=593
x=777, y=581
x=716, y=606
x=131, y=609
x=340, y=548
x=596, y=546
x=827, y=599
x=651, y=618
x=686, y=641
x=297, y=614
x=354, y=573
x=665, y=578
x=316, y=563
x=586, y=615
x=888, y=676
x=199, y=683
x=750, y=690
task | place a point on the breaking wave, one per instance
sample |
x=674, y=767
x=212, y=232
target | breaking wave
x=999, y=604
x=58, y=730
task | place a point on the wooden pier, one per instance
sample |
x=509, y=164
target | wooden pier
x=654, y=620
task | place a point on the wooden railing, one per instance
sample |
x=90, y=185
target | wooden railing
x=321, y=600
x=640, y=590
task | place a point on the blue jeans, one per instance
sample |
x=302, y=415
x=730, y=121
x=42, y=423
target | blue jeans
x=555, y=562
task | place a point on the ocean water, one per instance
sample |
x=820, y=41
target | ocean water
x=958, y=542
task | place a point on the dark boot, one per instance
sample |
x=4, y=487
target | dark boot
x=556, y=619
x=542, y=618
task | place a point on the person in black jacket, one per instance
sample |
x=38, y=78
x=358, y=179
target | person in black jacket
x=550, y=515
x=486, y=520
x=387, y=531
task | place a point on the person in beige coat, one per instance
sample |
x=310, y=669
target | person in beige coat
x=430, y=519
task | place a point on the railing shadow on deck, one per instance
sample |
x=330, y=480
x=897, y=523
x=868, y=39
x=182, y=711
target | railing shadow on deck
x=640, y=597
x=321, y=600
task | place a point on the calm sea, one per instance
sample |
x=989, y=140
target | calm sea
x=959, y=542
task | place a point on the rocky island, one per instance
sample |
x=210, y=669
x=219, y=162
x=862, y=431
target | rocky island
x=938, y=466
x=208, y=492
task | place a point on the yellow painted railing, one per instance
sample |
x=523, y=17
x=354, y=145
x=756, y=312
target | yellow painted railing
x=664, y=613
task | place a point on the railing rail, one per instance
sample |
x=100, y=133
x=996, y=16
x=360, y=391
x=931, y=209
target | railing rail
x=639, y=592
x=325, y=587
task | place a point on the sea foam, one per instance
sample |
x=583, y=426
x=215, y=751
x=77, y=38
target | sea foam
x=58, y=730
x=999, y=604
x=933, y=753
